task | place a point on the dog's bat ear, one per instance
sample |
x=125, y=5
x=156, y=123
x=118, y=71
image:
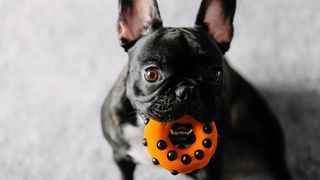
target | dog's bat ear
x=216, y=17
x=136, y=17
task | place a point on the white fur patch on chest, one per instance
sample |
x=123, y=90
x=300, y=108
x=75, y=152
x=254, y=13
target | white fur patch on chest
x=134, y=135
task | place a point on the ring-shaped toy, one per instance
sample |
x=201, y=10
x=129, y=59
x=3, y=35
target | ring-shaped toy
x=165, y=154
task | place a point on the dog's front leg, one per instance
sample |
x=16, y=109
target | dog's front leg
x=115, y=113
x=112, y=124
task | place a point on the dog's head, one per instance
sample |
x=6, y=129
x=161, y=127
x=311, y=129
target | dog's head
x=175, y=71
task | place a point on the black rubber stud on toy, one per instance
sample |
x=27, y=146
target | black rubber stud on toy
x=155, y=161
x=161, y=145
x=207, y=143
x=144, y=142
x=146, y=121
x=174, y=172
x=172, y=155
x=207, y=129
x=186, y=159
x=199, y=154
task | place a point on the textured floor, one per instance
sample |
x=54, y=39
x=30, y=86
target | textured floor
x=58, y=59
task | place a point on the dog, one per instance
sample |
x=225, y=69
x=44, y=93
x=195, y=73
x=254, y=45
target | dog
x=172, y=72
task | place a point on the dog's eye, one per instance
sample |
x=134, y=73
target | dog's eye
x=151, y=74
x=215, y=75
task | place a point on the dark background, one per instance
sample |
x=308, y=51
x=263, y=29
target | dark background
x=58, y=59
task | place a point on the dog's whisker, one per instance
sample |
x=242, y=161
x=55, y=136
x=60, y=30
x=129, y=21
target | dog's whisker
x=133, y=112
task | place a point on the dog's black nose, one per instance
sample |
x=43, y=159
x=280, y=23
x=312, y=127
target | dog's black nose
x=185, y=91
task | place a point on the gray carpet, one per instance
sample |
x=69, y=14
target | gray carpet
x=58, y=59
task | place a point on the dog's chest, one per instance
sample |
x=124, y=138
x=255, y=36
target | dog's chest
x=134, y=135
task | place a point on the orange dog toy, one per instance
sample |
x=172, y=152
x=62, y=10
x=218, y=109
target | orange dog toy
x=159, y=143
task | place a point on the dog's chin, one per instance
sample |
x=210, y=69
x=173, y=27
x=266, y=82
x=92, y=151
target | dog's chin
x=164, y=117
x=170, y=117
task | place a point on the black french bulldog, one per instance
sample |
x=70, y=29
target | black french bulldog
x=172, y=72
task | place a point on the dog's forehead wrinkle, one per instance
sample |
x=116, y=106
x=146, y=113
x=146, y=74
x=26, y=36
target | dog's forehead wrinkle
x=179, y=37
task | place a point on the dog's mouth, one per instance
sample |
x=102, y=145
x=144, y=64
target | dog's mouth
x=181, y=135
